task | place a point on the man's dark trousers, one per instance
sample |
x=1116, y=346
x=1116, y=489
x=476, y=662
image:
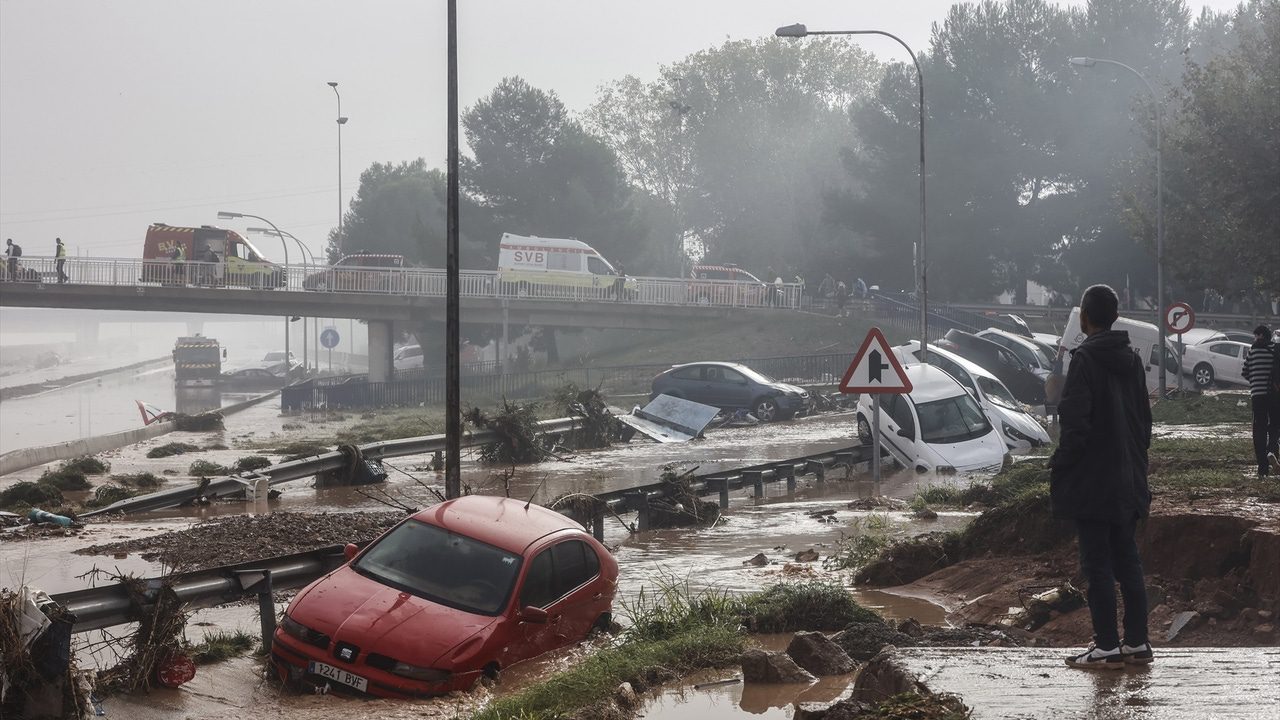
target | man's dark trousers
x=1109, y=554
x=1266, y=427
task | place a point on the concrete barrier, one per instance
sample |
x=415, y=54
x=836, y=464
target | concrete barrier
x=24, y=458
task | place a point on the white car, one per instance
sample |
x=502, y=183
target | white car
x=1221, y=361
x=407, y=357
x=1018, y=428
x=275, y=362
x=938, y=427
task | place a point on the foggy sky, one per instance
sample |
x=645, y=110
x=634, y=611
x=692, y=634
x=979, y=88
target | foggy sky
x=117, y=114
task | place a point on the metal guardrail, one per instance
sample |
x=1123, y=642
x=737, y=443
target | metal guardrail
x=307, y=467
x=116, y=604
x=422, y=282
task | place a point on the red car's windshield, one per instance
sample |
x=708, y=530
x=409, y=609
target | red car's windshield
x=443, y=567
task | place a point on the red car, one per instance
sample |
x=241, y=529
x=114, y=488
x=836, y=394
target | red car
x=459, y=590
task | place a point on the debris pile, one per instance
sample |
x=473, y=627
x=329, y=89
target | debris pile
x=517, y=429
x=154, y=652
x=38, y=674
x=680, y=506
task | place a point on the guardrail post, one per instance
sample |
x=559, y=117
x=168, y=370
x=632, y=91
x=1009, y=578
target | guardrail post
x=597, y=526
x=642, y=511
x=817, y=469
x=723, y=484
x=789, y=472
x=756, y=478
x=260, y=582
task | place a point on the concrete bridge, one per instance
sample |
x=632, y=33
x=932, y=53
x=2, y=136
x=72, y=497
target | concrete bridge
x=383, y=297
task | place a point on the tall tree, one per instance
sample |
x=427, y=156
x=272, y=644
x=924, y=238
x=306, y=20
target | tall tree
x=742, y=142
x=535, y=171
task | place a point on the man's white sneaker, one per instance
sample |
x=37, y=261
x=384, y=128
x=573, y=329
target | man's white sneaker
x=1275, y=463
x=1096, y=658
x=1139, y=655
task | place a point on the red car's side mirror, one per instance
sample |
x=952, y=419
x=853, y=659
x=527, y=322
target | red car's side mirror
x=350, y=550
x=534, y=615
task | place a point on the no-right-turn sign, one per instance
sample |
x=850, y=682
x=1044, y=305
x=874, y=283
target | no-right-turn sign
x=1179, y=318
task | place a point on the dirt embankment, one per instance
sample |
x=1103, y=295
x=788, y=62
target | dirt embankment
x=1210, y=551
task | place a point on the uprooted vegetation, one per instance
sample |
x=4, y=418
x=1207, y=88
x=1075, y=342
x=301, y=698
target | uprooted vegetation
x=24, y=495
x=220, y=645
x=171, y=449
x=516, y=428
x=72, y=475
x=205, y=468
x=598, y=428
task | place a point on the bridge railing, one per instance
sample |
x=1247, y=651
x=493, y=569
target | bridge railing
x=429, y=282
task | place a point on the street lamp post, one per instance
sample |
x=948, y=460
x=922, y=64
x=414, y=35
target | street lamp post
x=310, y=258
x=306, y=251
x=341, y=121
x=1155, y=100
x=798, y=31
x=453, y=331
x=228, y=215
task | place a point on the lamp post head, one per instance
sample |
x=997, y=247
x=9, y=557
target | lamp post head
x=1083, y=61
x=342, y=120
x=227, y=215
x=793, y=31
x=333, y=84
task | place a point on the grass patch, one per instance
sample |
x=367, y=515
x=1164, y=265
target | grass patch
x=27, y=494
x=142, y=481
x=643, y=663
x=674, y=608
x=390, y=427
x=171, y=449
x=204, y=468
x=222, y=645
x=251, y=462
x=1200, y=409
x=88, y=465
x=803, y=606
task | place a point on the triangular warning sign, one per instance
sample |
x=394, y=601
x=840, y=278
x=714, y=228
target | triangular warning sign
x=875, y=369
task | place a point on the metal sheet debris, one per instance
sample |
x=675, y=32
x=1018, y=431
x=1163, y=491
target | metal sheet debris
x=671, y=419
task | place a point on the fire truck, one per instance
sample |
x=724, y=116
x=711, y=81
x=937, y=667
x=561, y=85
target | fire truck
x=212, y=257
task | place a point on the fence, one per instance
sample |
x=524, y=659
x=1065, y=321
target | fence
x=357, y=392
x=428, y=282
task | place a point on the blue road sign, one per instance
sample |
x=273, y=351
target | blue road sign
x=329, y=338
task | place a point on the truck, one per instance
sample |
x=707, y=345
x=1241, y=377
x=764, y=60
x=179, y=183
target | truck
x=212, y=256
x=197, y=362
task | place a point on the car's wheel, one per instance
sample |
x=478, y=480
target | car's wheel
x=603, y=623
x=864, y=431
x=1203, y=375
x=492, y=671
x=766, y=410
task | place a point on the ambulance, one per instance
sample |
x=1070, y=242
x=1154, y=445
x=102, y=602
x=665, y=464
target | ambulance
x=525, y=261
x=239, y=263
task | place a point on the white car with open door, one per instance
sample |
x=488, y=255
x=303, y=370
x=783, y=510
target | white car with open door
x=1017, y=427
x=938, y=427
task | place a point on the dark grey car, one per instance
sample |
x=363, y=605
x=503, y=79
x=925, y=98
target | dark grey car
x=730, y=386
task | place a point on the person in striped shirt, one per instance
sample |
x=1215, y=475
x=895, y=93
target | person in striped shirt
x=1264, y=391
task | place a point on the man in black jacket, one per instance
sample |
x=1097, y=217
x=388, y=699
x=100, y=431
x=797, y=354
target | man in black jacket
x=1098, y=478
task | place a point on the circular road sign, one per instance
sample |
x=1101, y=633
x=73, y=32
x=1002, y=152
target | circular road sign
x=329, y=338
x=1179, y=318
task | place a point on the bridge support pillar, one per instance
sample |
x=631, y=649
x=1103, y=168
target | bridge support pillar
x=380, y=355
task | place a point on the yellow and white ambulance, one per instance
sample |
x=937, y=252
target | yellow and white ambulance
x=528, y=261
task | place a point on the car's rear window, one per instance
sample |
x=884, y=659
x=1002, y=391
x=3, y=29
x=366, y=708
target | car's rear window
x=443, y=567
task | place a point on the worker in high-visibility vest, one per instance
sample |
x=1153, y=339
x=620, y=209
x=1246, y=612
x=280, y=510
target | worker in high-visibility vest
x=60, y=253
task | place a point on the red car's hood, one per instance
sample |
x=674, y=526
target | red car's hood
x=352, y=608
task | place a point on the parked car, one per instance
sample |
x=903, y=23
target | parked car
x=458, y=591
x=361, y=272
x=1027, y=386
x=252, y=378
x=1027, y=349
x=730, y=386
x=938, y=427
x=278, y=363
x=407, y=357
x=1144, y=338
x=1018, y=428
x=1215, y=361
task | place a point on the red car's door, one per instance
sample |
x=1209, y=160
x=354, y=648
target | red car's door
x=559, y=580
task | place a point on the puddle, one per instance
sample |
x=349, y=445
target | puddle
x=1222, y=431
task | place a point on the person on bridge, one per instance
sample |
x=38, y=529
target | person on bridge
x=620, y=283
x=60, y=255
x=179, y=257
x=1262, y=370
x=1098, y=478
x=12, y=251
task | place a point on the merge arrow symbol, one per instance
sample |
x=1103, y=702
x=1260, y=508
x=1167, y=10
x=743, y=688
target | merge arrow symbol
x=876, y=365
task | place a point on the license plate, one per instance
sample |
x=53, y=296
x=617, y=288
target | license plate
x=338, y=675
